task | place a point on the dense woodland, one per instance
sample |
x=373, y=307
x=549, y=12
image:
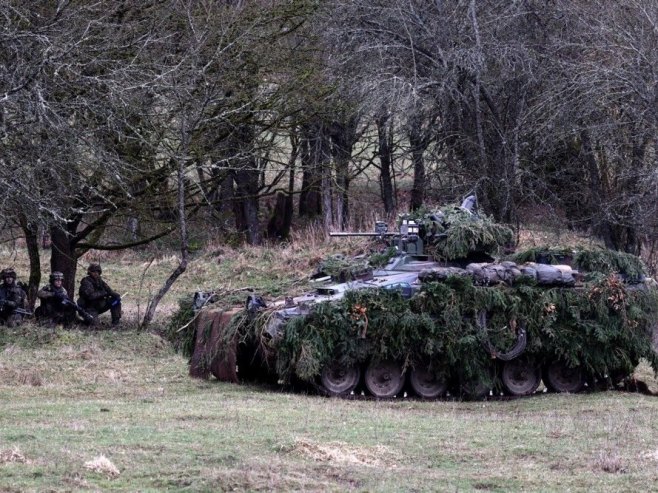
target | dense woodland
x=148, y=114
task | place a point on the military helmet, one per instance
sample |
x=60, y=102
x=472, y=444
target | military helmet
x=94, y=267
x=54, y=276
x=8, y=272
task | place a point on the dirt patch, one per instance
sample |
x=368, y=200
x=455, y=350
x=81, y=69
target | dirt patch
x=88, y=354
x=12, y=349
x=260, y=477
x=76, y=480
x=332, y=452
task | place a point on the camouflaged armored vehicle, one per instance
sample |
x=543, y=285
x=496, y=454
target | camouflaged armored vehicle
x=439, y=316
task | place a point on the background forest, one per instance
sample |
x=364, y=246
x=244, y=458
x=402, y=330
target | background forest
x=125, y=122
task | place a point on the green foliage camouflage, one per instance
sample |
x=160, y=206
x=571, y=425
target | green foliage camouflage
x=363, y=324
x=180, y=331
x=380, y=259
x=591, y=260
x=605, y=328
x=453, y=233
x=343, y=269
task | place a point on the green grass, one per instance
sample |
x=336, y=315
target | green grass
x=72, y=397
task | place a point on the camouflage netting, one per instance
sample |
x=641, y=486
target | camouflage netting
x=342, y=269
x=598, y=261
x=605, y=328
x=180, y=330
x=452, y=233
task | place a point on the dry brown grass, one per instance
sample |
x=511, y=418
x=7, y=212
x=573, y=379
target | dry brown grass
x=337, y=452
x=29, y=377
x=611, y=462
x=102, y=465
x=536, y=237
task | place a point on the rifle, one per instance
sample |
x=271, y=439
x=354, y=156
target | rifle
x=14, y=309
x=85, y=315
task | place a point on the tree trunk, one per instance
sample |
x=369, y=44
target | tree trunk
x=419, y=184
x=600, y=223
x=385, y=154
x=226, y=193
x=418, y=143
x=315, y=157
x=246, y=201
x=279, y=224
x=289, y=210
x=31, y=232
x=247, y=185
x=63, y=257
x=343, y=137
x=327, y=192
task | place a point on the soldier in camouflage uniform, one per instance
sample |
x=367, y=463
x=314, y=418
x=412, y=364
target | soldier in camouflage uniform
x=97, y=297
x=12, y=297
x=55, y=308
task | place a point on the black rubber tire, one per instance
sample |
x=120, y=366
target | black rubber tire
x=425, y=383
x=384, y=379
x=520, y=377
x=339, y=380
x=558, y=377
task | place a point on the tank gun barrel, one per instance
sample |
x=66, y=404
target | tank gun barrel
x=341, y=234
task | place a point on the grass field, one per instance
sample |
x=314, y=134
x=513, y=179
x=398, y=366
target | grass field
x=104, y=410
x=115, y=411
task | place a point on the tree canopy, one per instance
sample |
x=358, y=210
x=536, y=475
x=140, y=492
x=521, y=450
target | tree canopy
x=130, y=116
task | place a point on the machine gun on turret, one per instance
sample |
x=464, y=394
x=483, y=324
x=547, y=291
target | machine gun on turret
x=438, y=234
x=406, y=239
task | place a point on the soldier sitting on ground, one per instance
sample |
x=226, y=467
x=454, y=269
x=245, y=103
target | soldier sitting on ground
x=56, y=307
x=12, y=298
x=97, y=297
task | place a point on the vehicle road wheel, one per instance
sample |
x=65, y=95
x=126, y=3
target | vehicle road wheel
x=520, y=377
x=384, y=379
x=337, y=379
x=560, y=378
x=475, y=390
x=477, y=387
x=426, y=383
